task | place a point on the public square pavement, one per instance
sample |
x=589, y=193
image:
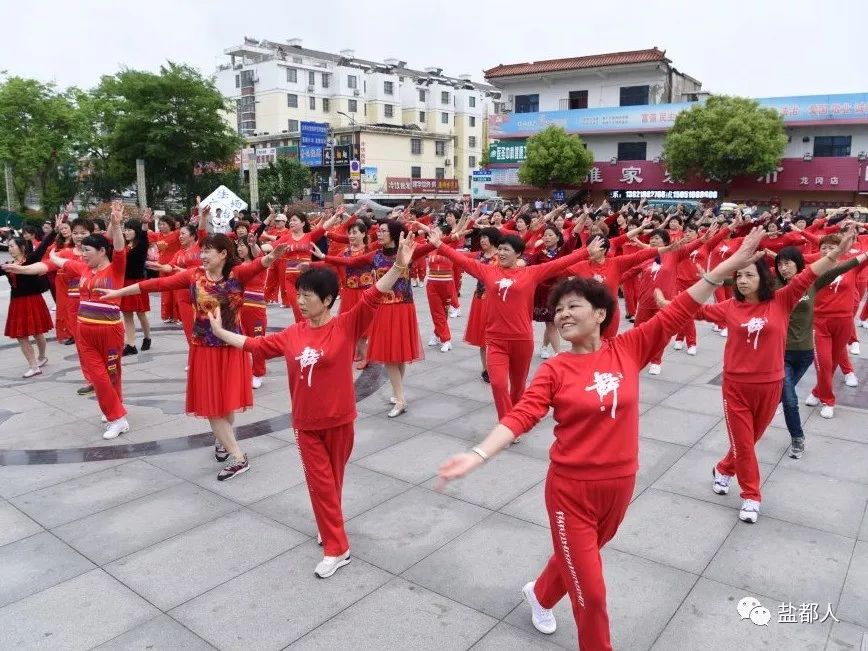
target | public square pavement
x=150, y=551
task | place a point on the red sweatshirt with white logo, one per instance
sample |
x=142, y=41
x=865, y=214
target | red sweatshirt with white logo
x=837, y=299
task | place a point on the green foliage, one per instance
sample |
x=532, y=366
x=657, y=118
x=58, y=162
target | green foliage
x=723, y=138
x=282, y=182
x=555, y=157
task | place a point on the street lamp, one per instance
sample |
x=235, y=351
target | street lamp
x=353, y=124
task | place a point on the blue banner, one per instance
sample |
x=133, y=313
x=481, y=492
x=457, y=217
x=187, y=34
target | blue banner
x=310, y=156
x=808, y=109
x=314, y=134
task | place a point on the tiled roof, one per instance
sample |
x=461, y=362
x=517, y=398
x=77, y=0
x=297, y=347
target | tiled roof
x=577, y=63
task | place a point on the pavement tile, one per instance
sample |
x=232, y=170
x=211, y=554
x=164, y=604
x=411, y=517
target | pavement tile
x=671, y=425
x=847, y=637
x=505, y=637
x=14, y=525
x=854, y=599
x=162, y=632
x=415, y=459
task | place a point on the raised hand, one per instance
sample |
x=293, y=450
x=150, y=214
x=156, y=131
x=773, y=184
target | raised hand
x=315, y=250
x=406, y=247
x=215, y=318
x=595, y=247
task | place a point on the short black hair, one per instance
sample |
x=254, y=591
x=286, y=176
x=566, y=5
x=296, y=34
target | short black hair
x=593, y=291
x=557, y=231
x=322, y=281
x=792, y=254
x=514, y=242
x=493, y=234
x=525, y=218
x=766, y=289
x=99, y=242
x=663, y=234
x=84, y=222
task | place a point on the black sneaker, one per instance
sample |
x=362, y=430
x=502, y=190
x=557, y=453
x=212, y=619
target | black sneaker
x=797, y=447
x=146, y=343
x=87, y=389
x=485, y=378
x=129, y=350
x=68, y=342
x=235, y=466
x=220, y=453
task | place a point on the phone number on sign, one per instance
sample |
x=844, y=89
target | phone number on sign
x=664, y=194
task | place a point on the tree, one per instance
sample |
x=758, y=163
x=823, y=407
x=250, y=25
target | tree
x=555, y=157
x=282, y=181
x=173, y=120
x=723, y=138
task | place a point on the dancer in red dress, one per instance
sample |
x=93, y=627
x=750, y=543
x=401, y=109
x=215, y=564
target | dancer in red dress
x=167, y=243
x=64, y=327
x=594, y=391
x=186, y=257
x=135, y=306
x=319, y=352
x=220, y=377
x=474, y=333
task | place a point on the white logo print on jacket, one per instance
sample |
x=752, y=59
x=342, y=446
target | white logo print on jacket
x=503, y=286
x=655, y=267
x=835, y=284
x=308, y=359
x=604, y=384
x=754, y=326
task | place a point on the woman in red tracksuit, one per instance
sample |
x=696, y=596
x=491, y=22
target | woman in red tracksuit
x=552, y=246
x=186, y=257
x=254, y=314
x=440, y=290
x=319, y=352
x=753, y=365
x=594, y=391
x=474, y=332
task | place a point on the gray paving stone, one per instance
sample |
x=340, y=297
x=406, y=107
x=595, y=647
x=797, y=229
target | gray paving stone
x=708, y=619
x=653, y=391
x=191, y=464
x=863, y=532
x=698, y=398
x=761, y=558
x=415, y=459
x=486, y=566
x=675, y=369
x=770, y=449
x=444, y=377
x=655, y=458
x=17, y=480
x=91, y=493
x=505, y=637
x=180, y=568
x=694, y=530
x=122, y=530
x=35, y=563
x=405, y=529
x=817, y=501
x=14, y=525
x=281, y=600
x=474, y=425
x=475, y=388
x=393, y=615
x=847, y=637
x=374, y=434
x=162, y=632
x=854, y=599
x=836, y=458
x=848, y=424
x=434, y=409
x=672, y=426
x=363, y=490
x=77, y=614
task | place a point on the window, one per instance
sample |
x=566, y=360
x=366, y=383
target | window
x=472, y=121
x=579, y=99
x=832, y=145
x=421, y=95
x=471, y=142
x=389, y=87
x=472, y=101
x=415, y=172
x=352, y=106
x=365, y=108
x=291, y=100
x=439, y=172
x=415, y=145
x=634, y=95
x=422, y=117
x=237, y=81
x=526, y=103
x=444, y=118
x=345, y=139
x=439, y=148
x=389, y=111
x=352, y=81
x=292, y=75
x=312, y=103
x=325, y=80
x=444, y=97
x=246, y=78
x=326, y=105
x=293, y=125
x=471, y=161
x=311, y=78
x=632, y=150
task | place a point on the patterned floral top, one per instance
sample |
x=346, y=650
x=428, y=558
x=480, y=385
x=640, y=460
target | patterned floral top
x=480, y=287
x=373, y=265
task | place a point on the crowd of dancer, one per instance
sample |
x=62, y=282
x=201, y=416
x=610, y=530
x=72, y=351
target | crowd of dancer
x=787, y=293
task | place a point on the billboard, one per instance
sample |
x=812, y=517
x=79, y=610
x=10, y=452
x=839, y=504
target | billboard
x=401, y=185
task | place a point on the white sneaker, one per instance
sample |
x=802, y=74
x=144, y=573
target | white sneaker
x=691, y=350
x=31, y=372
x=827, y=411
x=454, y=312
x=749, y=511
x=679, y=345
x=854, y=348
x=721, y=482
x=864, y=323
x=116, y=428
x=331, y=564
x=654, y=369
x=256, y=382
x=434, y=341
x=544, y=352
x=186, y=369
x=715, y=328
x=812, y=400
x=543, y=619
x=103, y=419
x=723, y=332
x=446, y=347
x=851, y=380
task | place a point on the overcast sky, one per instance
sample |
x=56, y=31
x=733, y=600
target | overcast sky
x=758, y=48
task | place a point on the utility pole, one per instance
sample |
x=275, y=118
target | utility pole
x=254, y=183
x=10, y=189
x=141, y=189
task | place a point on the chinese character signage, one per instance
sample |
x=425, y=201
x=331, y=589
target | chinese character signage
x=398, y=185
x=311, y=156
x=314, y=134
x=478, y=182
x=510, y=151
x=222, y=203
x=796, y=111
x=263, y=157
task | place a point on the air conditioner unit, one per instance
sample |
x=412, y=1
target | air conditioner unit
x=310, y=89
x=447, y=162
x=356, y=92
x=256, y=80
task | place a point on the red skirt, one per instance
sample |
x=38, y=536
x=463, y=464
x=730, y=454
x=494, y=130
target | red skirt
x=474, y=334
x=27, y=316
x=139, y=303
x=349, y=298
x=395, y=335
x=219, y=381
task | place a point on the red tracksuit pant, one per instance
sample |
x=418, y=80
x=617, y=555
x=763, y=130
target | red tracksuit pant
x=643, y=314
x=629, y=288
x=688, y=331
x=508, y=363
x=439, y=297
x=418, y=270
x=291, y=297
x=457, y=273
x=99, y=350
x=583, y=516
x=275, y=283
x=324, y=455
x=62, y=328
x=748, y=409
x=185, y=313
x=168, y=308
x=831, y=335
x=254, y=320
x=72, y=321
